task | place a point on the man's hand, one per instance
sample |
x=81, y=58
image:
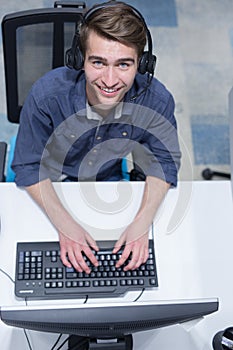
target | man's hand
x=136, y=244
x=74, y=240
x=72, y=251
x=135, y=237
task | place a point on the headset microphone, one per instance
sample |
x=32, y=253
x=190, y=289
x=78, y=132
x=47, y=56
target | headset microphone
x=149, y=79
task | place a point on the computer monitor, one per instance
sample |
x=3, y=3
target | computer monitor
x=109, y=324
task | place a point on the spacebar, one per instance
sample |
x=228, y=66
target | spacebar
x=79, y=291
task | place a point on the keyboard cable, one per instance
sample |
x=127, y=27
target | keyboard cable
x=24, y=330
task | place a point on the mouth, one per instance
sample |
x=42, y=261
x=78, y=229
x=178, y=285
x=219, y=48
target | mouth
x=109, y=92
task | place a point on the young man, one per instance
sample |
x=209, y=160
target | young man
x=77, y=124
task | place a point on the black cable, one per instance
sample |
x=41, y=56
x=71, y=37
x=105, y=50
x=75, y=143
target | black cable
x=53, y=347
x=7, y=275
x=149, y=80
x=28, y=341
x=24, y=330
x=65, y=341
x=56, y=342
x=11, y=279
x=26, y=335
x=139, y=296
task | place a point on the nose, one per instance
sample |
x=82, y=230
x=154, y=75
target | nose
x=109, y=77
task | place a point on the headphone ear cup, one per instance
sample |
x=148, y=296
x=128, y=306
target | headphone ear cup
x=74, y=57
x=69, y=58
x=78, y=59
x=147, y=63
x=151, y=64
x=142, y=67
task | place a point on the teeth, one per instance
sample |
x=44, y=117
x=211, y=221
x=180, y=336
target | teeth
x=108, y=90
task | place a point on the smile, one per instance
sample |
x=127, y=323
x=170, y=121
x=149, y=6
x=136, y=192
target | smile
x=109, y=90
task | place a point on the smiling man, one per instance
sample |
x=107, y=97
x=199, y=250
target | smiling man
x=80, y=121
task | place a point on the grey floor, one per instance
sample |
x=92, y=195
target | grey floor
x=193, y=41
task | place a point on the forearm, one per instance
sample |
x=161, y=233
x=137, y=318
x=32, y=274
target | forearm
x=73, y=238
x=45, y=196
x=154, y=193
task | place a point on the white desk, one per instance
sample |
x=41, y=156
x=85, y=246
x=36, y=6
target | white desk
x=194, y=240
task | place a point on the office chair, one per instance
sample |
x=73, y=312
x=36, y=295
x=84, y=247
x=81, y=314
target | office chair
x=34, y=42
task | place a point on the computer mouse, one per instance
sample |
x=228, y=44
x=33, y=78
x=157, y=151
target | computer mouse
x=223, y=340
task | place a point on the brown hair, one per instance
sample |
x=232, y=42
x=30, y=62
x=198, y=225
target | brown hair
x=118, y=22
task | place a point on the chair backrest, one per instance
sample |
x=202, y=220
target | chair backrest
x=34, y=42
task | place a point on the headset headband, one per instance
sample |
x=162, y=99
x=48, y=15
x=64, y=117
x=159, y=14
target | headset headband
x=74, y=57
x=114, y=3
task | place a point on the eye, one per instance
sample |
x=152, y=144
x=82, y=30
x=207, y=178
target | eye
x=97, y=64
x=123, y=65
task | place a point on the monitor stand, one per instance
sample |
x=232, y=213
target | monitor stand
x=76, y=342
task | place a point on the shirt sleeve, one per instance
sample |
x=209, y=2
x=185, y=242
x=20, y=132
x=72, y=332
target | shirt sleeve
x=34, y=130
x=158, y=152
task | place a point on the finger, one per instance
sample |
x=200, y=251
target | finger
x=82, y=264
x=146, y=255
x=75, y=259
x=125, y=254
x=89, y=254
x=92, y=242
x=139, y=257
x=135, y=260
x=119, y=244
x=65, y=261
x=63, y=256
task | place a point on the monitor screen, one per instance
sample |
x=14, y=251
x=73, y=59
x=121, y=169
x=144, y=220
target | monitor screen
x=109, y=319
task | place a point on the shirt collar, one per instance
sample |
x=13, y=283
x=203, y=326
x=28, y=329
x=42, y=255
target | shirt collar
x=91, y=114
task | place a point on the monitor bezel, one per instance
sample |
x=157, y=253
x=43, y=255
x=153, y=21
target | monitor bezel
x=107, y=319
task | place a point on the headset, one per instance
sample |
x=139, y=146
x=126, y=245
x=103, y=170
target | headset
x=74, y=57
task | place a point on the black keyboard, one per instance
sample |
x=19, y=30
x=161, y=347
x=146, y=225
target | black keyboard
x=40, y=273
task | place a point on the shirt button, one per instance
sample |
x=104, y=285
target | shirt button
x=124, y=133
x=94, y=151
x=98, y=138
x=90, y=162
x=72, y=136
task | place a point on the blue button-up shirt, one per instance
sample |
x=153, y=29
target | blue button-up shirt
x=59, y=138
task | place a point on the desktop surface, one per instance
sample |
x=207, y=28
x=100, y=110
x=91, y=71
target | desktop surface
x=192, y=246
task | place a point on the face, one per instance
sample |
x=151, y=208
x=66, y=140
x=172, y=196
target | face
x=110, y=69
